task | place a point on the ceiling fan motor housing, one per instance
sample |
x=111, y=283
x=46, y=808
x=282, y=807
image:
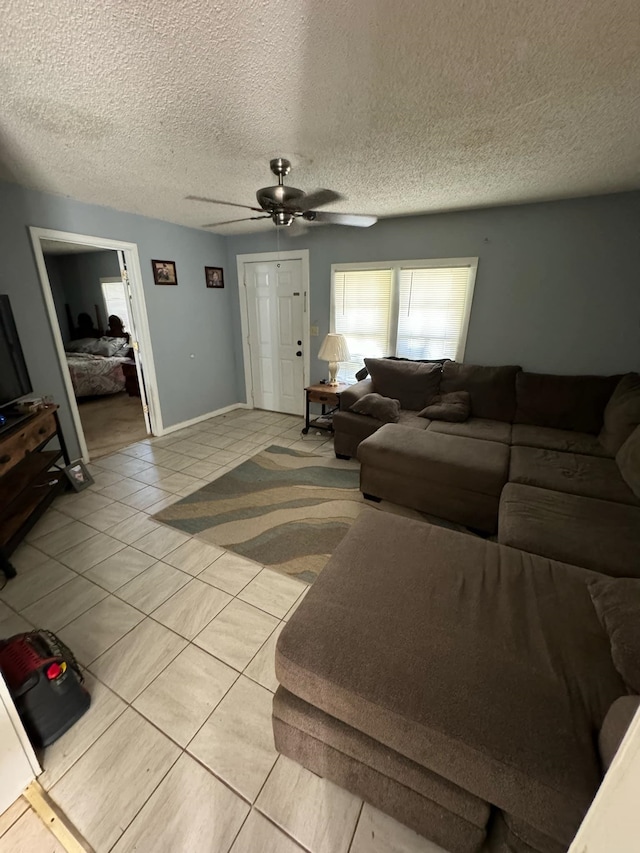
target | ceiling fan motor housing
x=271, y=198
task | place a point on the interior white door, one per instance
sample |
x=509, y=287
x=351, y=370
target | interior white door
x=275, y=310
x=134, y=342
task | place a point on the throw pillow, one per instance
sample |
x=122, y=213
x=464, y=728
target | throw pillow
x=621, y=414
x=492, y=389
x=453, y=407
x=412, y=383
x=628, y=461
x=617, y=603
x=563, y=402
x=376, y=406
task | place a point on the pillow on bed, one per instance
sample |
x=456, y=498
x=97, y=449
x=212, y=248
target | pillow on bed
x=81, y=345
x=111, y=346
x=104, y=346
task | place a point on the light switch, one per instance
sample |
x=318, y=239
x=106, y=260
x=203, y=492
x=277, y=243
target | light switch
x=315, y=331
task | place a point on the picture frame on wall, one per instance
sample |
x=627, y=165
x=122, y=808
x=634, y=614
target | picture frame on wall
x=214, y=276
x=164, y=272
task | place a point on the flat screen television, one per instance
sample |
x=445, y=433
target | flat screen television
x=14, y=376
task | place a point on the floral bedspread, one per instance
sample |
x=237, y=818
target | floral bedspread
x=95, y=374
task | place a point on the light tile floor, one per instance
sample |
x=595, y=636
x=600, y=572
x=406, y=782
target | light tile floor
x=177, y=638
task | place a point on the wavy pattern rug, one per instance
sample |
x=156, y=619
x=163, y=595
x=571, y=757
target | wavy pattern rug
x=283, y=508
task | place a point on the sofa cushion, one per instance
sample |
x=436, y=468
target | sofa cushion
x=557, y=439
x=376, y=406
x=484, y=664
x=563, y=402
x=379, y=789
x=617, y=603
x=463, y=463
x=622, y=413
x=492, y=389
x=453, y=407
x=615, y=727
x=524, y=838
x=599, y=535
x=411, y=382
x=350, y=741
x=574, y=473
x=628, y=459
x=482, y=428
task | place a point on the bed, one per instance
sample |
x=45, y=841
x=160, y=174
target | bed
x=95, y=365
x=96, y=375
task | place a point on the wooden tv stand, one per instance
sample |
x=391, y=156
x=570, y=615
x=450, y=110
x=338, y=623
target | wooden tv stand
x=27, y=485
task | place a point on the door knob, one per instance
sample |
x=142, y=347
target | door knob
x=299, y=353
x=299, y=343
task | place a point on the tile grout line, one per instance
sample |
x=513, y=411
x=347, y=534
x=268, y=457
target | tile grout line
x=355, y=827
x=189, y=641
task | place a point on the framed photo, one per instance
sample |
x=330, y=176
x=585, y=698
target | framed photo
x=164, y=272
x=78, y=476
x=214, y=276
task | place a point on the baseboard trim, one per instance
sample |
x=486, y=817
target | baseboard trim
x=184, y=424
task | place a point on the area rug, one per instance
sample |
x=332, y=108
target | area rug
x=283, y=508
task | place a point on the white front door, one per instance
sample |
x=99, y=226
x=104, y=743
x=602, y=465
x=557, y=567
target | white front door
x=275, y=310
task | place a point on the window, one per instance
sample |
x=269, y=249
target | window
x=116, y=300
x=411, y=309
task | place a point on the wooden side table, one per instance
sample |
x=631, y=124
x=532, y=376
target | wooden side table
x=327, y=396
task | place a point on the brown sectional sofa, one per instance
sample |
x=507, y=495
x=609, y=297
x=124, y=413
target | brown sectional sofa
x=540, y=460
x=457, y=684
x=474, y=690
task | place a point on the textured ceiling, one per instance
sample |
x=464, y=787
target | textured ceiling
x=404, y=106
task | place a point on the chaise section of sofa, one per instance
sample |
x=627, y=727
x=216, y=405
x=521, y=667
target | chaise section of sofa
x=430, y=669
x=456, y=478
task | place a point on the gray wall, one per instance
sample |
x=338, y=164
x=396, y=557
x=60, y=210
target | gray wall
x=557, y=289
x=184, y=320
x=54, y=271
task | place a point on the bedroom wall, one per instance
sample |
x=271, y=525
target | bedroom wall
x=81, y=274
x=59, y=298
x=557, y=287
x=192, y=327
x=75, y=281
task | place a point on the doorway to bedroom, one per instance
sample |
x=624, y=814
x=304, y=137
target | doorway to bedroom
x=96, y=323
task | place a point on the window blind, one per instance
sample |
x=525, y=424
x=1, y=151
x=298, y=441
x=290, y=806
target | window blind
x=432, y=307
x=362, y=313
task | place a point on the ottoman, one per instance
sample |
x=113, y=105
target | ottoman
x=450, y=476
x=446, y=680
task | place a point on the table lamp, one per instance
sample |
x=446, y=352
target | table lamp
x=334, y=349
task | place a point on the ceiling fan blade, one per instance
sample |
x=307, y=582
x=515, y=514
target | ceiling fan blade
x=357, y=219
x=231, y=221
x=317, y=198
x=217, y=201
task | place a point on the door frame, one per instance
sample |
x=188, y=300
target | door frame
x=141, y=320
x=294, y=255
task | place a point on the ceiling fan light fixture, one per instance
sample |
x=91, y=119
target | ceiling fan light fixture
x=281, y=217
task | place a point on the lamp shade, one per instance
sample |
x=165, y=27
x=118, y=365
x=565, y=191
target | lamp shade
x=334, y=348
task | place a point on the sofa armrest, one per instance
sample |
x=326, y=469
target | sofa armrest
x=354, y=393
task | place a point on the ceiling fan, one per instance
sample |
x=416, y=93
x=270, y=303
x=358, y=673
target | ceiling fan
x=283, y=205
